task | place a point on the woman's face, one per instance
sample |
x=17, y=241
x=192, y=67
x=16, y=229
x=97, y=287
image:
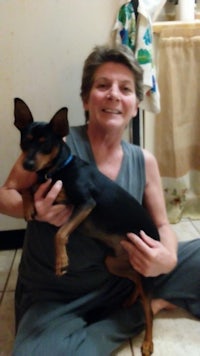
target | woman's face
x=112, y=100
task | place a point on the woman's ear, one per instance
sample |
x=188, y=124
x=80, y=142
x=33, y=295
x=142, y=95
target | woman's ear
x=135, y=110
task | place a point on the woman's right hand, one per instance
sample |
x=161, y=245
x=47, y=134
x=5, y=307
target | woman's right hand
x=46, y=211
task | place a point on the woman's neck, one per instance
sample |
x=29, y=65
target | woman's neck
x=107, y=151
x=110, y=138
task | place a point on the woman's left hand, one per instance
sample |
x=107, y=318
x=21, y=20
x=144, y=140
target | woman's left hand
x=147, y=256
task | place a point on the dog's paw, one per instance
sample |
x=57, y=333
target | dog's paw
x=147, y=348
x=60, y=271
x=61, y=266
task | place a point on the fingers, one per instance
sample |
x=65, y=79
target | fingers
x=44, y=199
x=135, y=242
x=57, y=215
x=143, y=241
x=147, y=256
x=50, y=195
x=140, y=251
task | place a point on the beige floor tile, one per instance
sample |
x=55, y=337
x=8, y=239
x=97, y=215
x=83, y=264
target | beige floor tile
x=7, y=324
x=185, y=230
x=14, y=272
x=6, y=260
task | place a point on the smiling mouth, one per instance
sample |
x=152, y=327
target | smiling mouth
x=112, y=111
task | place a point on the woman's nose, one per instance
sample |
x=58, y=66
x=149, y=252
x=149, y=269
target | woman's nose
x=113, y=93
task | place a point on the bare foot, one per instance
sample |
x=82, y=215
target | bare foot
x=159, y=304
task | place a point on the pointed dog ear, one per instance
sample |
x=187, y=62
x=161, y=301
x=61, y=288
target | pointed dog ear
x=22, y=114
x=59, y=123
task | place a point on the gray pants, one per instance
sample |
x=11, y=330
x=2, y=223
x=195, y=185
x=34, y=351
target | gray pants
x=65, y=329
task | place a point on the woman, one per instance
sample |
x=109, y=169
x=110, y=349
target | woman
x=81, y=313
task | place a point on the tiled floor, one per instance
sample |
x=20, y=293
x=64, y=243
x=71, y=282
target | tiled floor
x=9, y=261
x=175, y=333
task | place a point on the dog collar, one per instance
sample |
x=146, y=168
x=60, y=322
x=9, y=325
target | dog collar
x=45, y=176
x=68, y=160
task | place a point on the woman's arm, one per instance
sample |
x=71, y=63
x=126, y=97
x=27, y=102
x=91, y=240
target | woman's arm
x=146, y=255
x=155, y=203
x=10, y=197
x=11, y=200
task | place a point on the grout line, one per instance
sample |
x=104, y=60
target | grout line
x=192, y=223
x=1, y=298
x=7, y=279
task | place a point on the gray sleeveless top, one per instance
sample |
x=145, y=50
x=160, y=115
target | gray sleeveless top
x=132, y=172
x=87, y=273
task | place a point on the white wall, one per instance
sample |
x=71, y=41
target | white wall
x=43, y=44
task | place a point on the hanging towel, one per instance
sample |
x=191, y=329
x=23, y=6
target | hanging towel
x=140, y=39
x=125, y=26
x=177, y=129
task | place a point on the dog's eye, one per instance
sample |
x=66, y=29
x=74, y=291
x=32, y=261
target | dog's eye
x=25, y=142
x=46, y=146
x=29, y=137
x=42, y=139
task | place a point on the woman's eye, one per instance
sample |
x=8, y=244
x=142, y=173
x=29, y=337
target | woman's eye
x=101, y=86
x=127, y=89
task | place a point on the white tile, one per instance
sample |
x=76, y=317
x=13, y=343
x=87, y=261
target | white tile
x=196, y=224
x=175, y=333
x=185, y=230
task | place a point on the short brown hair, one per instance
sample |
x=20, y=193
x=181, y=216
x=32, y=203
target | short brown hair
x=118, y=54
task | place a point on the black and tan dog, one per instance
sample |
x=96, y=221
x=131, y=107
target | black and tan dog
x=102, y=209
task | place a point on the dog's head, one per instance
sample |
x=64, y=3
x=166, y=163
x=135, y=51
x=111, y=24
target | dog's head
x=40, y=141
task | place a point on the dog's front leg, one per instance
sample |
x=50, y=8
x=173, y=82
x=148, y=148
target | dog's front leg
x=61, y=239
x=28, y=205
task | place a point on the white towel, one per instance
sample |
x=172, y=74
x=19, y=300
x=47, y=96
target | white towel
x=139, y=38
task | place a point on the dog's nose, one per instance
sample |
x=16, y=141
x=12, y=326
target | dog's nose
x=29, y=165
